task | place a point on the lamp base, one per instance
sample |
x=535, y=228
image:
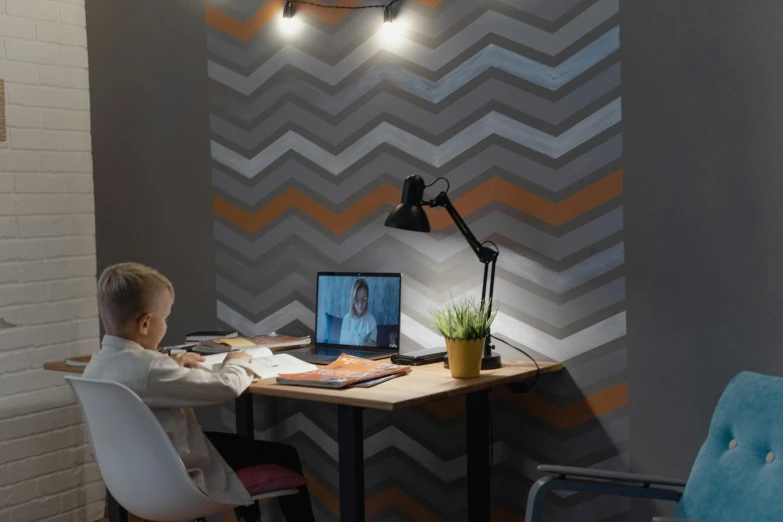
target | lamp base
x=491, y=362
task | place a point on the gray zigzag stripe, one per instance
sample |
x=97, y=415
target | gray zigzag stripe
x=481, y=164
x=424, y=427
x=338, y=109
x=439, y=250
x=491, y=56
x=490, y=96
x=317, y=137
x=441, y=441
x=325, y=101
x=562, y=348
x=422, y=263
x=435, y=155
x=297, y=258
x=451, y=468
x=521, y=320
x=334, y=139
x=587, y=374
x=256, y=310
x=473, y=28
x=513, y=299
x=385, y=255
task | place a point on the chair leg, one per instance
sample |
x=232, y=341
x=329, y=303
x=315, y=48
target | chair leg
x=535, y=498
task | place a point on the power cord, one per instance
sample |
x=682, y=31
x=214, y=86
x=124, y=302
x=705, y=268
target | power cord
x=524, y=388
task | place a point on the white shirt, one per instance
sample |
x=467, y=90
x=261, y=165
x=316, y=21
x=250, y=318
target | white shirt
x=359, y=331
x=171, y=391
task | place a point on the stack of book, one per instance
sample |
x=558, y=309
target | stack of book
x=228, y=344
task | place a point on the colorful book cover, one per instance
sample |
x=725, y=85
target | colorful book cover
x=345, y=371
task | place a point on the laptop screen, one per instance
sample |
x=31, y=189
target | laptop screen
x=358, y=309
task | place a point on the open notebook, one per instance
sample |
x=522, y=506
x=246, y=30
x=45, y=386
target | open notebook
x=265, y=364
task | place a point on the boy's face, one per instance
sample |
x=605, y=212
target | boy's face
x=153, y=326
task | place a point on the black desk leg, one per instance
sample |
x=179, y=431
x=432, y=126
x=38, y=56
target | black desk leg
x=117, y=513
x=350, y=431
x=243, y=409
x=477, y=409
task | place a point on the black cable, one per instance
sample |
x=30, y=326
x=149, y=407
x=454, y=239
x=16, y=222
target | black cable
x=448, y=185
x=497, y=249
x=538, y=368
x=491, y=427
x=325, y=6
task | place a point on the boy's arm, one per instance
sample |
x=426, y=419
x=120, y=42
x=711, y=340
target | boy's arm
x=171, y=386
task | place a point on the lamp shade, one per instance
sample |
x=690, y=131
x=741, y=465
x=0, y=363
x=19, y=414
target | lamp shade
x=409, y=214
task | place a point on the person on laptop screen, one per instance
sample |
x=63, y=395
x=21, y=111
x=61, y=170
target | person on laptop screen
x=359, y=326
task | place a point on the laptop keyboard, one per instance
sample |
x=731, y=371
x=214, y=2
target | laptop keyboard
x=337, y=353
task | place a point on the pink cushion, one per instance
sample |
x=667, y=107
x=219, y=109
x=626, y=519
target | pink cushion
x=267, y=478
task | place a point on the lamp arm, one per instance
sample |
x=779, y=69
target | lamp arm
x=485, y=254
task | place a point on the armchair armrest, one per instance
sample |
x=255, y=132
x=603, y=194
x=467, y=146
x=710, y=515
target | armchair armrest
x=616, y=476
x=566, y=478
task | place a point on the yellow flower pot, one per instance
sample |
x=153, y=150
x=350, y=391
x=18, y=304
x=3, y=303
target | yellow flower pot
x=465, y=357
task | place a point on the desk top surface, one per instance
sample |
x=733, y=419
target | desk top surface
x=424, y=384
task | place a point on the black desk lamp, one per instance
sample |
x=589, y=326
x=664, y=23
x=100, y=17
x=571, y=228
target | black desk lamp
x=409, y=215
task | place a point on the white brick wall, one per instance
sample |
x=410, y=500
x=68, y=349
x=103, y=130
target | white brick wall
x=47, y=262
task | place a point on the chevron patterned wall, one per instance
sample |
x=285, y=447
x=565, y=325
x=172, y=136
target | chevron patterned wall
x=517, y=103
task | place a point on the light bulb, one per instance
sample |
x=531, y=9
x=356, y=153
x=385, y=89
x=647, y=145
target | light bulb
x=288, y=24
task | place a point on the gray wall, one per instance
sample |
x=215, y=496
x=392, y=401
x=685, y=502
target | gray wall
x=150, y=141
x=702, y=109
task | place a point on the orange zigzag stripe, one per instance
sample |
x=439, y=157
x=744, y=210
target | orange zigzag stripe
x=495, y=189
x=563, y=418
x=244, y=31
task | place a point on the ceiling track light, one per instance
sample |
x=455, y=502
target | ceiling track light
x=288, y=10
x=388, y=15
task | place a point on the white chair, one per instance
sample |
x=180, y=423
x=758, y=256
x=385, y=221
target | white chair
x=139, y=464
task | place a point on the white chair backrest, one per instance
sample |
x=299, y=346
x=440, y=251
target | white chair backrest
x=139, y=464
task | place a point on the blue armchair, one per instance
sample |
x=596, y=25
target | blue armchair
x=737, y=475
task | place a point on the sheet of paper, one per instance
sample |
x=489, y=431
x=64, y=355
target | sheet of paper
x=266, y=367
x=214, y=360
x=257, y=352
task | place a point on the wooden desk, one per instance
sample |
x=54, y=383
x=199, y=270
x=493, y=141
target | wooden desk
x=425, y=384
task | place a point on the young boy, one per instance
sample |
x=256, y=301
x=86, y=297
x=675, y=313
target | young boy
x=134, y=302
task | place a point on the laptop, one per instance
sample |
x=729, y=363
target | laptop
x=357, y=314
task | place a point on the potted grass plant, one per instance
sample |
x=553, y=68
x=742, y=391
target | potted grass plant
x=465, y=324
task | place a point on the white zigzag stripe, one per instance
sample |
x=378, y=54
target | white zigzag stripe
x=493, y=124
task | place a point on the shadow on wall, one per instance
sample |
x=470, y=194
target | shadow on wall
x=570, y=418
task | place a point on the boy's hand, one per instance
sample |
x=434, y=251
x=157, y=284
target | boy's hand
x=242, y=356
x=188, y=359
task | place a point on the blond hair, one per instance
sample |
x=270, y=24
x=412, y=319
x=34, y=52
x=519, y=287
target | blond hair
x=359, y=283
x=126, y=292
